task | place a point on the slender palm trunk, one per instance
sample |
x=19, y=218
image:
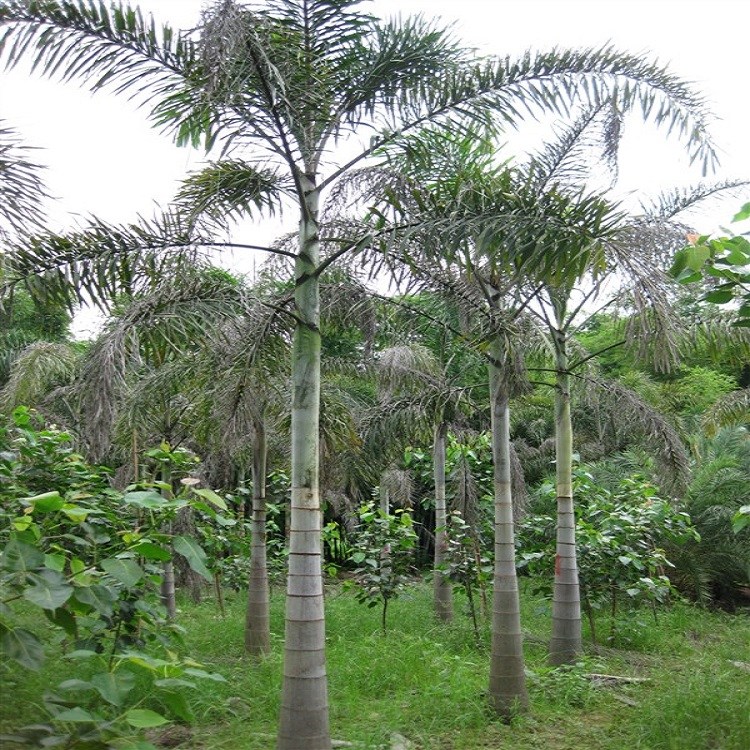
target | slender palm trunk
x=168, y=595
x=303, y=723
x=566, y=644
x=442, y=587
x=507, y=678
x=257, y=620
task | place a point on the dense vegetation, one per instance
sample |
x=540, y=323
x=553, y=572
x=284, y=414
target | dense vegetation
x=537, y=419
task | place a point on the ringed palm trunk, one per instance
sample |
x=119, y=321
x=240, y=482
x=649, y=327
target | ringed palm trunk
x=303, y=723
x=565, y=645
x=507, y=690
x=442, y=587
x=257, y=620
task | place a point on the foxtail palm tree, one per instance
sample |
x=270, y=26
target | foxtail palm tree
x=292, y=78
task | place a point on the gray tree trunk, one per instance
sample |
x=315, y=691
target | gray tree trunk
x=566, y=644
x=507, y=690
x=257, y=620
x=443, y=593
x=303, y=723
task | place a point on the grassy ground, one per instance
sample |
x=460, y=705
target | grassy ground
x=427, y=681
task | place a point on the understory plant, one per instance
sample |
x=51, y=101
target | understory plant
x=383, y=554
x=467, y=566
x=88, y=560
x=622, y=536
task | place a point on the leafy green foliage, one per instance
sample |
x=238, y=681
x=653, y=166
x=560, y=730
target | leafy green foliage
x=723, y=259
x=382, y=552
x=621, y=536
x=88, y=559
x=466, y=565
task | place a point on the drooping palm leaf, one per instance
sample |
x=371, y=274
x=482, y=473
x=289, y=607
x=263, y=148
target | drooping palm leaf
x=22, y=191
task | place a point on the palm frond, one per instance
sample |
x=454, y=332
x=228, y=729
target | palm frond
x=113, y=48
x=22, y=191
x=668, y=205
x=100, y=262
x=154, y=329
x=36, y=370
x=732, y=409
x=230, y=190
x=636, y=418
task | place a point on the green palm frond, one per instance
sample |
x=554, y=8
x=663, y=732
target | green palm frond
x=538, y=82
x=732, y=409
x=99, y=262
x=112, y=48
x=579, y=149
x=22, y=191
x=668, y=205
x=229, y=190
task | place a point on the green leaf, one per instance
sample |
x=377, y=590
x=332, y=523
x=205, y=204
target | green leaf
x=98, y=597
x=148, y=500
x=144, y=718
x=20, y=557
x=741, y=519
x=75, y=686
x=743, y=213
x=23, y=647
x=211, y=496
x=178, y=705
x=152, y=551
x=21, y=523
x=47, y=502
x=113, y=686
x=48, y=589
x=77, y=714
x=173, y=682
x=127, y=572
x=64, y=619
x=194, y=554
x=55, y=562
x=201, y=674
x=75, y=513
x=696, y=256
x=719, y=297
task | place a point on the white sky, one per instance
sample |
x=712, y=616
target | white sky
x=104, y=159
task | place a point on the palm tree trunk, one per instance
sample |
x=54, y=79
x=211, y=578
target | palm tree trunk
x=507, y=677
x=566, y=643
x=442, y=588
x=257, y=620
x=303, y=723
x=167, y=593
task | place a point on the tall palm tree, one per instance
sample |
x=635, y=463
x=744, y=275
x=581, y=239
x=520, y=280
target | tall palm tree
x=292, y=78
x=604, y=240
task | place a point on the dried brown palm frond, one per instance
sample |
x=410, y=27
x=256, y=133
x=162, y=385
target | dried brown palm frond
x=399, y=483
x=38, y=368
x=465, y=490
x=407, y=367
x=520, y=490
x=153, y=329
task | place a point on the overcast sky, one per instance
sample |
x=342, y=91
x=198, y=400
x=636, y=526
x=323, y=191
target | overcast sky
x=104, y=159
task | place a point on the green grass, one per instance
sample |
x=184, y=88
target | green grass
x=427, y=681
